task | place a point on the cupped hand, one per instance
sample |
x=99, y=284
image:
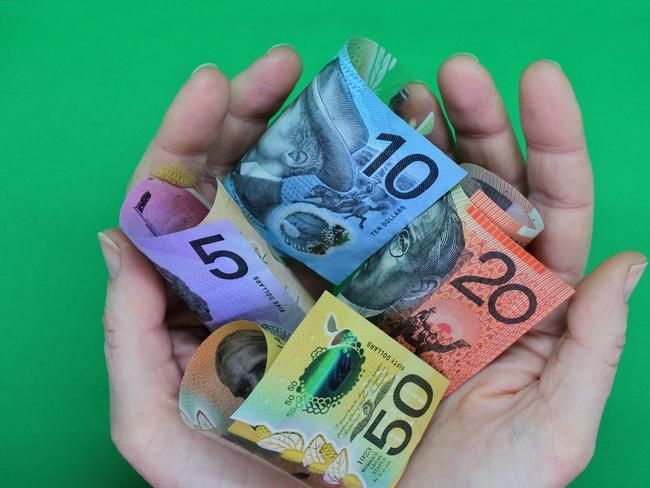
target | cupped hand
x=531, y=417
x=150, y=334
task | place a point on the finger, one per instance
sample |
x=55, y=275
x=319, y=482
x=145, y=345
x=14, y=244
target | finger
x=559, y=172
x=185, y=341
x=138, y=350
x=256, y=95
x=420, y=103
x=144, y=380
x=190, y=125
x=578, y=377
x=484, y=133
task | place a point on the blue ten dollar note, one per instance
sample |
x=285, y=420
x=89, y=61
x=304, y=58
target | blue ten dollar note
x=338, y=173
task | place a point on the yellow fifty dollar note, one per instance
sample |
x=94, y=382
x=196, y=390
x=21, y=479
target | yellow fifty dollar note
x=342, y=404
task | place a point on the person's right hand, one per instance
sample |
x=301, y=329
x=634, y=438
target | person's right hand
x=150, y=335
x=530, y=418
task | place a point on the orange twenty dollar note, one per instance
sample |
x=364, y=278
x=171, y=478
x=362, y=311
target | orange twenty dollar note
x=454, y=289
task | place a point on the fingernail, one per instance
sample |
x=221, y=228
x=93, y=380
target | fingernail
x=633, y=276
x=553, y=62
x=467, y=54
x=420, y=82
x=275, y=46
x=204, y=65
x=111, y=254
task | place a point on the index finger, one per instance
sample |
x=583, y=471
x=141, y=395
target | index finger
x=190, y=125
x=559, y=171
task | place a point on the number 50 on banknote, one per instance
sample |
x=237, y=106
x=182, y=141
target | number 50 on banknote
x=341, y=404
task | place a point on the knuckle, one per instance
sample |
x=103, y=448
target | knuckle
x=612, y=355
x=111, y=329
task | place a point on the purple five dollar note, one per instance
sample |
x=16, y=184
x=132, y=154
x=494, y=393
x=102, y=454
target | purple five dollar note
x=209, y=265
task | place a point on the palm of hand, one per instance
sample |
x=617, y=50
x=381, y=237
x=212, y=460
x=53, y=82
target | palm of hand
x=519, y=421
x=503, y=422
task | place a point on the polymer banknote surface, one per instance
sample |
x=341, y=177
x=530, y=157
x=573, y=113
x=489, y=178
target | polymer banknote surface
x=224, y=370
x=339, y=173
x=427, y=256
x=502, y=203
x=341, y=404
x=454, y=288
x=209, y=254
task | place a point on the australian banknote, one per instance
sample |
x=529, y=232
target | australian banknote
x=454, y=288
x=338, y=173
x=209, y=254
x=342, y=403
x=224, y=371
x=502, y=203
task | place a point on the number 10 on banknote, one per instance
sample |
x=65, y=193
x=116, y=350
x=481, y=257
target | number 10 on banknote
x=339, y=173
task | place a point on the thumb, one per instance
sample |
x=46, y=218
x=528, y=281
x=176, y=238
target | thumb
x=135, y=300
x=138, y=349
x=579, y=375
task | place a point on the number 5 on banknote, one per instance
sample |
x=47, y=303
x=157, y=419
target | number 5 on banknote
x=208, y=258
x=212, y=258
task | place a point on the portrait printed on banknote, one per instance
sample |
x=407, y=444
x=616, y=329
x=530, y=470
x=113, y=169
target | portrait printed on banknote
x=240, y=361
x=411, y=266
x=339, y=173
x=224, y=370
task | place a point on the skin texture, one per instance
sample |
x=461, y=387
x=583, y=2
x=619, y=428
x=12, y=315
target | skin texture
x=528, y=419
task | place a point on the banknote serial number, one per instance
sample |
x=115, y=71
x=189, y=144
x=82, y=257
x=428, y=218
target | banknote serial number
x=511, y=268
x=210, y=257
x=391, y=176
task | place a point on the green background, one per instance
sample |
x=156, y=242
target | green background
x=82, y=90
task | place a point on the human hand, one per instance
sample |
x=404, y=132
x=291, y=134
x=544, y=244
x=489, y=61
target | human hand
x=531, y=417
x=209, y=126
x=150, y=335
